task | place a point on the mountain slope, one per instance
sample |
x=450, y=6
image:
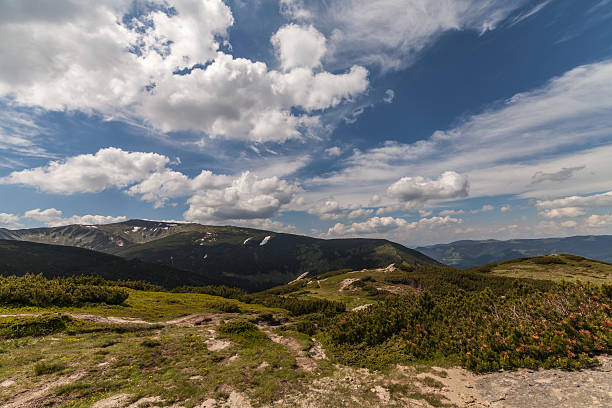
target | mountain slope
x=19, y=258
x=249, y=258
x=562, y=267
x=466, y=254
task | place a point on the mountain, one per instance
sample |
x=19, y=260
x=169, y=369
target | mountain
x=19, y=258
x=466, y=254
x=248, y=258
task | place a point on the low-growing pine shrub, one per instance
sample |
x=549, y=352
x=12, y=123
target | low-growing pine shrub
x=35, y=290
x=16, y=327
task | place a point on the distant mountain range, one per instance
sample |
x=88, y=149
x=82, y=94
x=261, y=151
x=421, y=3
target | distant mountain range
x=466, y=254
x=248, y=258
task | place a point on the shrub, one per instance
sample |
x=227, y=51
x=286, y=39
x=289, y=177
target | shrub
x=227, y=307
x=34, y=290
x=564, y=327
x=16, y=327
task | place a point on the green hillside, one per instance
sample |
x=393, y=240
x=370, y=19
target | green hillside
x=20, y=258
x=248, y=258
x=562, y=267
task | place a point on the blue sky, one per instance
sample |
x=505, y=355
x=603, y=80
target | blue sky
x=418, y=121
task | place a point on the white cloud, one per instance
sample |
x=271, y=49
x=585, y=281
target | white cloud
x=505, y=208
x=333, y=151
x=569, y=224
x=391, y=33
x=536, y=9
x=425, y=213
x=382, y=225
x=328, y=209
x=564, y=212
x=451, y=212
x=9, y=221
x=87, y=173
x=546, y=129
x=484, y=208
x=593, y=201
x=240, y=99
x=247, y=197
x=75, y=56
x=299, y=46
x=360, y=213
x=389, y=96
x=599, y=220
x=53, y=217
x=449, y=185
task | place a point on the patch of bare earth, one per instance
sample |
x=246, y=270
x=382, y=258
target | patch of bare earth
x=527, y=388
x=303, y=358
x=348, y=387
x=215, y=344
x=35, y=396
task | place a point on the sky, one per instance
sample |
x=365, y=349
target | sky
x=419, y=121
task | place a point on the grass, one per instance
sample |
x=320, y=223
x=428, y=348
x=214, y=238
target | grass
x=154, y=306
x=563, y=267
x=48, y=367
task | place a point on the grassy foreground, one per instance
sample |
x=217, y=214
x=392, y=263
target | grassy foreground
x=306, y=342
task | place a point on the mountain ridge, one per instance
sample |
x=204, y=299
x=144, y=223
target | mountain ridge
x=236, y=256
x=470, y=253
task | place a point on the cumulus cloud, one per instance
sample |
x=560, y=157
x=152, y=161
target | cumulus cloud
x=103, y=60
x=90, y=173
x=599, y=220
x=53, y=217
x=505, y=208
x=211, y=197
x=9, y=221
x=328, y=209
x=563, y=212
x=333, y=151
x=484, y=208
x=449, y=185
x=561, y=175
x=299, y=46
x=380, y=225
x=241, y=99
x=247, y=197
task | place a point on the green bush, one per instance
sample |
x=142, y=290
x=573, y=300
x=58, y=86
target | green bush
x=16, y=327
x=227, y=307
x=35, y=290
x=563, y=327
x=548, y=260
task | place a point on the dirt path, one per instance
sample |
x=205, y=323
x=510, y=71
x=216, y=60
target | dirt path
x=186, y=321
x=305, y=359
